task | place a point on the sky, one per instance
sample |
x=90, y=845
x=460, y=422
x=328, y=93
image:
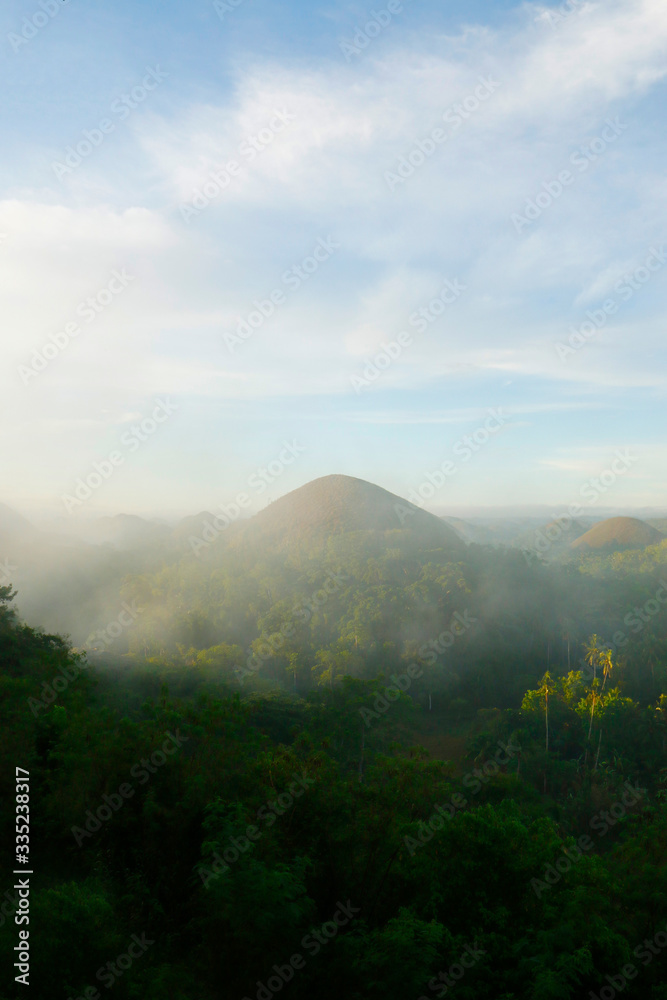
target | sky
x=332, y=238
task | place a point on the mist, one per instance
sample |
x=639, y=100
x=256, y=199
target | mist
x=333, y=500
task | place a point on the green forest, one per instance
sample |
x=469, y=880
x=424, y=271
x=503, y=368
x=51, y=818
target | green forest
x=371, y=764
x=333, y=507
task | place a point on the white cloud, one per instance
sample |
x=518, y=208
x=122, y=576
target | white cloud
x=324, y=173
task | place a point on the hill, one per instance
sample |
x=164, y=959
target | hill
x=554, y=536
x=468, y=532
x=124, y=532
x=336, y=505
x=190, y=526
x=618, y=533
x=14, y=527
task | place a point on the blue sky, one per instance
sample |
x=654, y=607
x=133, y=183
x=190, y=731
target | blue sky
x=368, y=159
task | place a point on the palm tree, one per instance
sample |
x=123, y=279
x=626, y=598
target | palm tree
x=594, y=694
x=597, y=655
x=546, y=709
x=544, y=689
x=594, y=652
x=606, y=664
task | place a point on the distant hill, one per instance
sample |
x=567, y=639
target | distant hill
x=496, y=531
x=122, y=532
x=14, y=526
x=618, y=533
x=195, y=527
x=192, y=525
x=468, y=532
x=554, y=536
x=336, y=505
x=532, y=533
x=18, y=540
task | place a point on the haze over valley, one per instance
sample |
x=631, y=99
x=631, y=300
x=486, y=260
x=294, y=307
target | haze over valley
x=333, y=500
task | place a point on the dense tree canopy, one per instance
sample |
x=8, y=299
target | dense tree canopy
x=385, y=775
